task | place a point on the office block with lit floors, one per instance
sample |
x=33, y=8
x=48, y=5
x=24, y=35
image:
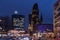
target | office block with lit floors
x=57, y=16
x=18, y=22
x=4, y=24
x=30, y=28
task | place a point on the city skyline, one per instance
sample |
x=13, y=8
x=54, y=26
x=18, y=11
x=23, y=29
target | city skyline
x=25, y=8
x=29, y=19
x=34, y=20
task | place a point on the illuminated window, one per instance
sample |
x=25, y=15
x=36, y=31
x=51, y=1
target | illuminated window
x=34, y=10
x=33, y=15
x=58, y=9
x=0, y=20
x=0, y=28
x=18, y=21
x=57, y=15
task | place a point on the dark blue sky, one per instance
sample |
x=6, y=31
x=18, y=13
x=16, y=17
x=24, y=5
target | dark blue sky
x=24, y=7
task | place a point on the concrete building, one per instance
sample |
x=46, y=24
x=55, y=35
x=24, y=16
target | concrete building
x=56, y=16
x=4, y=24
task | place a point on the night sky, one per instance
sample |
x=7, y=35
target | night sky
x=24, y=7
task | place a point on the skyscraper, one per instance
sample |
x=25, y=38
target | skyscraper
x=30, y=18
x=41, y=19
x=30, y=28
x=18, y=22
x=56, y=17
x=34, y=18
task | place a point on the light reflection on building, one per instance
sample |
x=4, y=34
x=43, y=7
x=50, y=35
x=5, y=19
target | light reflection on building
x=56, y=17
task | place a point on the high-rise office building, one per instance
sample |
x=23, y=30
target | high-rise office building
x=30, y=27
x=34, y=18
x=30, y=18
x=18, y=22
x=4, y=24
x=56, y=16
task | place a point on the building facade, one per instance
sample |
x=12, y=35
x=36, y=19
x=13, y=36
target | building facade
x=18, y=22
x=4, y=24
x=56, y=16
x=34, y=18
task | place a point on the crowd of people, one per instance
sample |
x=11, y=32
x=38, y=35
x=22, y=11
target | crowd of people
x=21, y=35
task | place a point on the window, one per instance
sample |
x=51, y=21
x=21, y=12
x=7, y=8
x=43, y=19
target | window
x=58, y=9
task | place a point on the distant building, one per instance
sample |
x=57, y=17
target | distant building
x=44, y=27
x=18, y=21
x=41, y=19
x=57, y=16
x=4, y=23
x=30, y=28
x=35, y=14
x=30, y=18
x=34, y=18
